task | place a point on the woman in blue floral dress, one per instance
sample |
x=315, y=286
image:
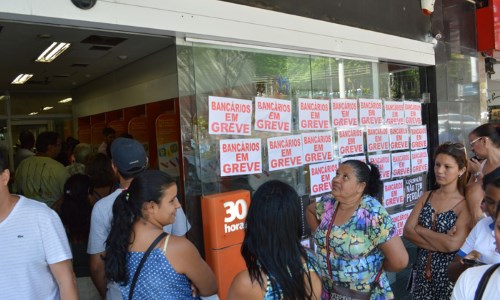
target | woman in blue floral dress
x=362, y=240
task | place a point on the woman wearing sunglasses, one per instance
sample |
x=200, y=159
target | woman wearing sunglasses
x=484, y=142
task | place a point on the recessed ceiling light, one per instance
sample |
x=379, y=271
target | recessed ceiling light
x=48, y=107
x=65, y=100
x=22, y=78
x=53, y=51
x=33, y=113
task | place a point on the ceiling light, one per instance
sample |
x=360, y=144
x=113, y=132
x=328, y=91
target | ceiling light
x=52, y=52
x=33, y=113
x=22, y=78
x=65, y=100
x=48, y=107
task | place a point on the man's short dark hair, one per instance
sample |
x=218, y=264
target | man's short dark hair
x=107, y=131
x=27, y=139
x=45, y=139
x=4, y=161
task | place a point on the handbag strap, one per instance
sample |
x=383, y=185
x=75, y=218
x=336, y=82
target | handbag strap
x=484, y=282
x=327, y=241
x=143, y=260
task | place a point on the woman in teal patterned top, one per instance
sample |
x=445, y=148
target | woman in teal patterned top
x=362, y=240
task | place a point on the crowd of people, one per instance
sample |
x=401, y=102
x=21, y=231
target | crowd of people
x=87, y=229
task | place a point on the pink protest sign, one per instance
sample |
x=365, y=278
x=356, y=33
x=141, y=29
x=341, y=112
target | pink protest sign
x=394, y=193
x=418, y=136
x=419, y=161
x=383, y=162
x=321, y=176
x=413, y=113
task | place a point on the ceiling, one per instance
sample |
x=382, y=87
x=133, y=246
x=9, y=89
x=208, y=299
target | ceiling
x=91, y=55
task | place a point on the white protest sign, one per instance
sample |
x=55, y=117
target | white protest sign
x=284, y=152
x=413, y=113
x=394, y=193
x=419, y=161
x=317, y=147
x=383, y=162
x=400, y=138
x=399, y=220
x=350, y=141
x=345, y=112
x=229, y=116
x=400, y=164
x=370, y=112
x=377, y=139
x=321, y=176
x=240, y=156
x=394, y=112
x=314, y=114
x=418, y=136
x=273, y=115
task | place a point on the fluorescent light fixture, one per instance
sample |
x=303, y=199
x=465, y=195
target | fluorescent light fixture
x=22, y=78
x=65, y=100
x=48, y=107
x=33, y=113
x=52, y=52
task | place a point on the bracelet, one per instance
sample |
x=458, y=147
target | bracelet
x=476, y=175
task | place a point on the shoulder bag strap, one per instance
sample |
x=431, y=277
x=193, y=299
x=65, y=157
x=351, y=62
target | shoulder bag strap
x=484, y=281
x=143, y=260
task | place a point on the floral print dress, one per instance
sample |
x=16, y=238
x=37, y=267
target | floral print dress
x=354, y=254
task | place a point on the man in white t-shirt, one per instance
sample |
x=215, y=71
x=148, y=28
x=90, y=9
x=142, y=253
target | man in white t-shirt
x=128, y=159
x=35, y=257
x=480, y=243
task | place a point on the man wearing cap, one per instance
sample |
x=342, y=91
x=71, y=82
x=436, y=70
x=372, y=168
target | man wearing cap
x=128, y=159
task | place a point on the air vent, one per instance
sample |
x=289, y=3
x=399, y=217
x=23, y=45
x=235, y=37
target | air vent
x=79, y=65
x=61, y=76
x=1, y=27
x=103, y=40
x=100, y=48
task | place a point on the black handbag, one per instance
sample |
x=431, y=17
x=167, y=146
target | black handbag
x=143, y=260
x=340, y=292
